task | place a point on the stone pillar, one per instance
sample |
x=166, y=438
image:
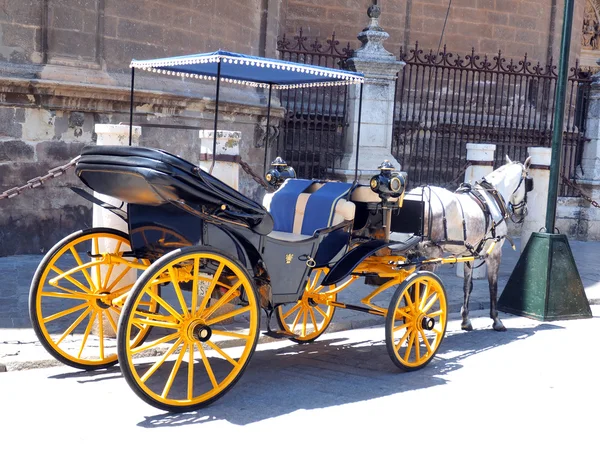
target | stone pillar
x=589, y=225
x=227, y=167
x=380, y=69
x=537, y=200
x=481, y=158
x=112, y=135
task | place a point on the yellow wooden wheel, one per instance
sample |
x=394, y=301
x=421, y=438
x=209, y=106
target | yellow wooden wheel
x=416, y=321
x=309, y=317
x=205, y=337
x=76, y=296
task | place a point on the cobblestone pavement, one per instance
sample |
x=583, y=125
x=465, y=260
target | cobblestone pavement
x=20, y=349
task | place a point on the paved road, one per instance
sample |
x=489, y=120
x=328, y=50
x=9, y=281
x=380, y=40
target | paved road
x=19, y=348
x=532, y=387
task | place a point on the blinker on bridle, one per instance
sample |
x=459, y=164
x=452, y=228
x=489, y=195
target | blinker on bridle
x=523, y=203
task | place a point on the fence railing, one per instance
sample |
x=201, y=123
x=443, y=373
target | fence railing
x=444, y=101
x=311, y=137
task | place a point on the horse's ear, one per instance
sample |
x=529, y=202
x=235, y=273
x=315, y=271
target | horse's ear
x=527, y=163
x=508, y=161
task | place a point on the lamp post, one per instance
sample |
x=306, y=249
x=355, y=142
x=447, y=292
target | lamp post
x=545, y=283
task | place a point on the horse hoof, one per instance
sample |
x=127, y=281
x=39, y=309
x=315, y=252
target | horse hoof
x=499, y=326
x=466, y=326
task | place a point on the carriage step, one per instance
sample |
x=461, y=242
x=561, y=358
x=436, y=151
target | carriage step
x=279, y=334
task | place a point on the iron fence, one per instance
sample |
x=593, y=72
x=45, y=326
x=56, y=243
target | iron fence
x=444, y=101
x=311, y=135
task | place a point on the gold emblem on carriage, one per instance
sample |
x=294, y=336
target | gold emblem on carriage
x=288, y=258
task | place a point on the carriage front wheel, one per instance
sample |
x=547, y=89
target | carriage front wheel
x=202, y=339
x=309, y=317
x=416, y=321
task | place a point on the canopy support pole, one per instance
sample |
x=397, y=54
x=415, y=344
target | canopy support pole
x=214, y=152
x=131, y=106
x=358, y=132
x=268, y=123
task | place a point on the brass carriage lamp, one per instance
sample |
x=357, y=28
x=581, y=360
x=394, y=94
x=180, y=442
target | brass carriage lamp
x=280, y=171
x=388, y=183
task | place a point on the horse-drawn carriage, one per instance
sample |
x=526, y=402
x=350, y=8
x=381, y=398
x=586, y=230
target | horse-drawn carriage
x=177, y=300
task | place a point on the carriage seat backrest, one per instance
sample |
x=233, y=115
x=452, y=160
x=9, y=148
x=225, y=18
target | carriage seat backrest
x=303, y=206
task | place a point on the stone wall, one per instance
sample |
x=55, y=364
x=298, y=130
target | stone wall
x=64, y=68
x=514, y=26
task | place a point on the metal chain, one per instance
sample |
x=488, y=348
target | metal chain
x=244, y=165
x=580, y=192
x=460, y=174
x=38, y=181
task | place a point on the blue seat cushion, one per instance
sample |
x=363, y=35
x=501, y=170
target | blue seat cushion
x=283, y=204
x=320, y=208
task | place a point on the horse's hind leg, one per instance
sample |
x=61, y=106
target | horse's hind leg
x=468, y=288
x=493, y=266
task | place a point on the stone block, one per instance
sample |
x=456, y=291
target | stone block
x=8, y=124
x=15, y=151
x=71, y=43
x=66, y=18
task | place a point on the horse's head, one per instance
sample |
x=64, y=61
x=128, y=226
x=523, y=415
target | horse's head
x=523, y=183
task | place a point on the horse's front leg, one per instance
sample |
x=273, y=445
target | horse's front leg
x=468, y=288
x=493, y=267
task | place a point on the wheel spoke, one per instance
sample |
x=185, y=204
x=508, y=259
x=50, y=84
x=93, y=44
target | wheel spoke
x=160, y=362
x=211, y=286
x=400, y=327
x=435, y=314
x=424, y=296
x=71, y=296
x=64, y=313
x=227, y=297
x=402, y=339
x=87, y=332
x=417, y=347
x=300, y=313
x=426, y=341
x=287, y=314
x=71, y=279
x=408, y=300
x=312, y=318
x=218, y=349
x=209, y=371
x=162, y=340
x=175, y=282
x=119, y=278
x=430, y=303
x=230, y=334
x=228, y=315
x=409, y=346
x=174, y=371
x=304, y=319
x=416, y=294
x=101, y=333
x=96, y=251
x=154, y=323
x=162, y=303
x=84, y=271
x=190, y=387
x=113, y=325
x=320, y=311
x=73, y=325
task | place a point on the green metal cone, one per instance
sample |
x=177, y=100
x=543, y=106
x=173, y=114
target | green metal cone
x=545, y=284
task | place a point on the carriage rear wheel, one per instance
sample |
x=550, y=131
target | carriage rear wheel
x=416, y=321
x=74, y=298
x=205, y=336
x=308, y=318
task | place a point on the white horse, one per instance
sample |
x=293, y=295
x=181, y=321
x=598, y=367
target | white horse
x=467, y=222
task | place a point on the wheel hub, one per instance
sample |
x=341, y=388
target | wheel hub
x=103, y=302
x=427, y=323
x=200, y=332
